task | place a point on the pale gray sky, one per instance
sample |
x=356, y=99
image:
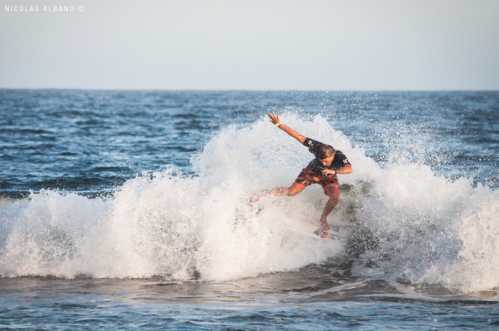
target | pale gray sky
x=222, y=44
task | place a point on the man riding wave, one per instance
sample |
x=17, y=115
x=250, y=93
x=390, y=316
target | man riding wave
x=322, y=170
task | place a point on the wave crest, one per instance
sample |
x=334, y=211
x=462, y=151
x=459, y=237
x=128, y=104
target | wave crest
x=424, y=227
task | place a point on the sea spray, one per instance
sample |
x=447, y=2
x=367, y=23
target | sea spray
x=428, y=228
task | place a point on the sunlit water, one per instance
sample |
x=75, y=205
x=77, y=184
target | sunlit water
x=123, y=209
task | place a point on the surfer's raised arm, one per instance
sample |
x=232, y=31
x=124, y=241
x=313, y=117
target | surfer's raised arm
x=277, y=122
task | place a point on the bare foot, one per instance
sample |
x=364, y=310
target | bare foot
x=257, y=196
x=323, y=231
x=254, y=198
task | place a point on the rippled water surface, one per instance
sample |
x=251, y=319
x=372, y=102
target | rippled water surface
x=128, y=209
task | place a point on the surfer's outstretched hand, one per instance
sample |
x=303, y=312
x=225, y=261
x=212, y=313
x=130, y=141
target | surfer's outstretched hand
x=274, y=118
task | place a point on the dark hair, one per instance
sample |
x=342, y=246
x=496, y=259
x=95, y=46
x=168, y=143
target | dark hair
x=325, y=151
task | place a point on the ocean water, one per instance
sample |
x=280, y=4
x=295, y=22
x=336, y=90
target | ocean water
x=128, y=210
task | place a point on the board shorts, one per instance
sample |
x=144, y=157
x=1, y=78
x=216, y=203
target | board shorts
x=329, y=184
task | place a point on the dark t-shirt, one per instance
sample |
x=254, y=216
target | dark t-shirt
x=340, y=160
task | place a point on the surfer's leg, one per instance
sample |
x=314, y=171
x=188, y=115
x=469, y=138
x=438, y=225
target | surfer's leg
x=332, y=190
x=294, y=189
x=301, y=182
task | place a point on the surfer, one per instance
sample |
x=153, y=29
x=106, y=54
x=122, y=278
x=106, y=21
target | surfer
x=322, y=170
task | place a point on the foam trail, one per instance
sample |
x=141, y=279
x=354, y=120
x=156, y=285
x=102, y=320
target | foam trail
x=428, y=228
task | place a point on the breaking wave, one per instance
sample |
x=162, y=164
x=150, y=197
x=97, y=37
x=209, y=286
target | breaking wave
x=423, y=227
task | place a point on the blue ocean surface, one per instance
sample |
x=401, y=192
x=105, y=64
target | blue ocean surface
x=129, y=210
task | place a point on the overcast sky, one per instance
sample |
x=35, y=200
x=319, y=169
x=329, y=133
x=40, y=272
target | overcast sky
x=184, y=44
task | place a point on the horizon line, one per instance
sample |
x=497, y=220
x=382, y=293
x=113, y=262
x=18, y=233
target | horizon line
x=244, y=89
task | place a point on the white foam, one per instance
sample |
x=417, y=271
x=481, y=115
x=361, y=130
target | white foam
x=431, y=229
